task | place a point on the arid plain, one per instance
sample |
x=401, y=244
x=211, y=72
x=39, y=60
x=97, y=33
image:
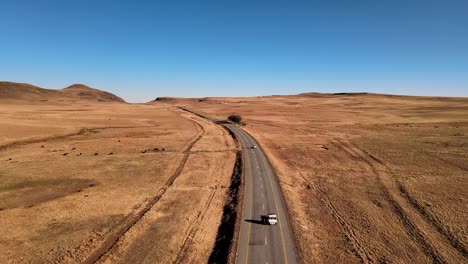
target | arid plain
x=367, y=178
x=86, y=177
x=86, y=180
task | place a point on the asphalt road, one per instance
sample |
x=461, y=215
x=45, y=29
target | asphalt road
x=260, y=243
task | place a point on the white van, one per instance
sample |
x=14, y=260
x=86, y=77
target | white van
x=270, y=219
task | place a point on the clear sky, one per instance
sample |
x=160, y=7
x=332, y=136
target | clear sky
x=144, y=49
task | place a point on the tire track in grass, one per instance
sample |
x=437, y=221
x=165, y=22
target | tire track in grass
x=378, y=167
x=428, y=217
x=196, y=226
x=130, y=221
x=424, y=213
x=364, y=255
x=81, y=131
x=457, y=244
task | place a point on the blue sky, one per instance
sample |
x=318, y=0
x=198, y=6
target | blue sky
x=144, y=49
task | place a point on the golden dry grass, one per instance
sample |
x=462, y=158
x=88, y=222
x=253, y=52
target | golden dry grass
x=72, y=176
x=367, y=178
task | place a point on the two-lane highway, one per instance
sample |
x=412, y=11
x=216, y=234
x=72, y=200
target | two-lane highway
x=258, y=242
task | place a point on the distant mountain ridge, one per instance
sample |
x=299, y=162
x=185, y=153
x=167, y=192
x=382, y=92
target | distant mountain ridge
x=28, y=92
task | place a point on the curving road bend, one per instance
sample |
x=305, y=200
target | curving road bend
x=259, y=243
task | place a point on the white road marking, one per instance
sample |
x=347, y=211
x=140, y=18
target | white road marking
x=263, y=207
x=262, y=195
x=266, y=242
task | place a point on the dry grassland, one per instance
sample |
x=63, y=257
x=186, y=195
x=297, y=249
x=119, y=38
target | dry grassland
x=111, y=182
x=367, y=178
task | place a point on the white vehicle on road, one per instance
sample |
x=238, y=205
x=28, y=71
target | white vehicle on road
x=254, y=147
x=270, y=219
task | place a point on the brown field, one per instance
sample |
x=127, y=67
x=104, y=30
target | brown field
x=82, y=181
x=367, y=178
x=85, y=177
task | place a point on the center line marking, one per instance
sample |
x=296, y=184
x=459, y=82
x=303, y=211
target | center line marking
x=266, y=242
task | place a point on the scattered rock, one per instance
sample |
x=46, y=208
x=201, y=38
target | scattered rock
x=111, y=153
x=42, y=146
x=95, y=154
x=73, y=148
x=79, y=154
x=65, y=154
x=153, y=150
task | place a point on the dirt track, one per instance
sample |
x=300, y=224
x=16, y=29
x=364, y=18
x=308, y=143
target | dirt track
x=137, y=244
x=131, y=220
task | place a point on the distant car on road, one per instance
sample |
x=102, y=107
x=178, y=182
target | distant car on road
x=253, y=147
x=270, y=219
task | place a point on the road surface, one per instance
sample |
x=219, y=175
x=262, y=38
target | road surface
x=260, y=243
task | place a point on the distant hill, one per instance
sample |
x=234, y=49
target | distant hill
x=87, y=93
x=315, y=94
x=28, y=92
x=24, y=91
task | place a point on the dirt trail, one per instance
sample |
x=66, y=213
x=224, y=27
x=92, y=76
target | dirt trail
x=363, y=253
x=190, y=144
x=43, y=139
x=81, y=131
x=194, y=237
x=132, y=219
x=226, y=230
x=193, y=230
x=182, y=255
x=433, y=239
x=431, y=219
x=226, y=237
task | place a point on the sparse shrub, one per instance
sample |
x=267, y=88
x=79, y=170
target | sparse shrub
x=235, y=118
